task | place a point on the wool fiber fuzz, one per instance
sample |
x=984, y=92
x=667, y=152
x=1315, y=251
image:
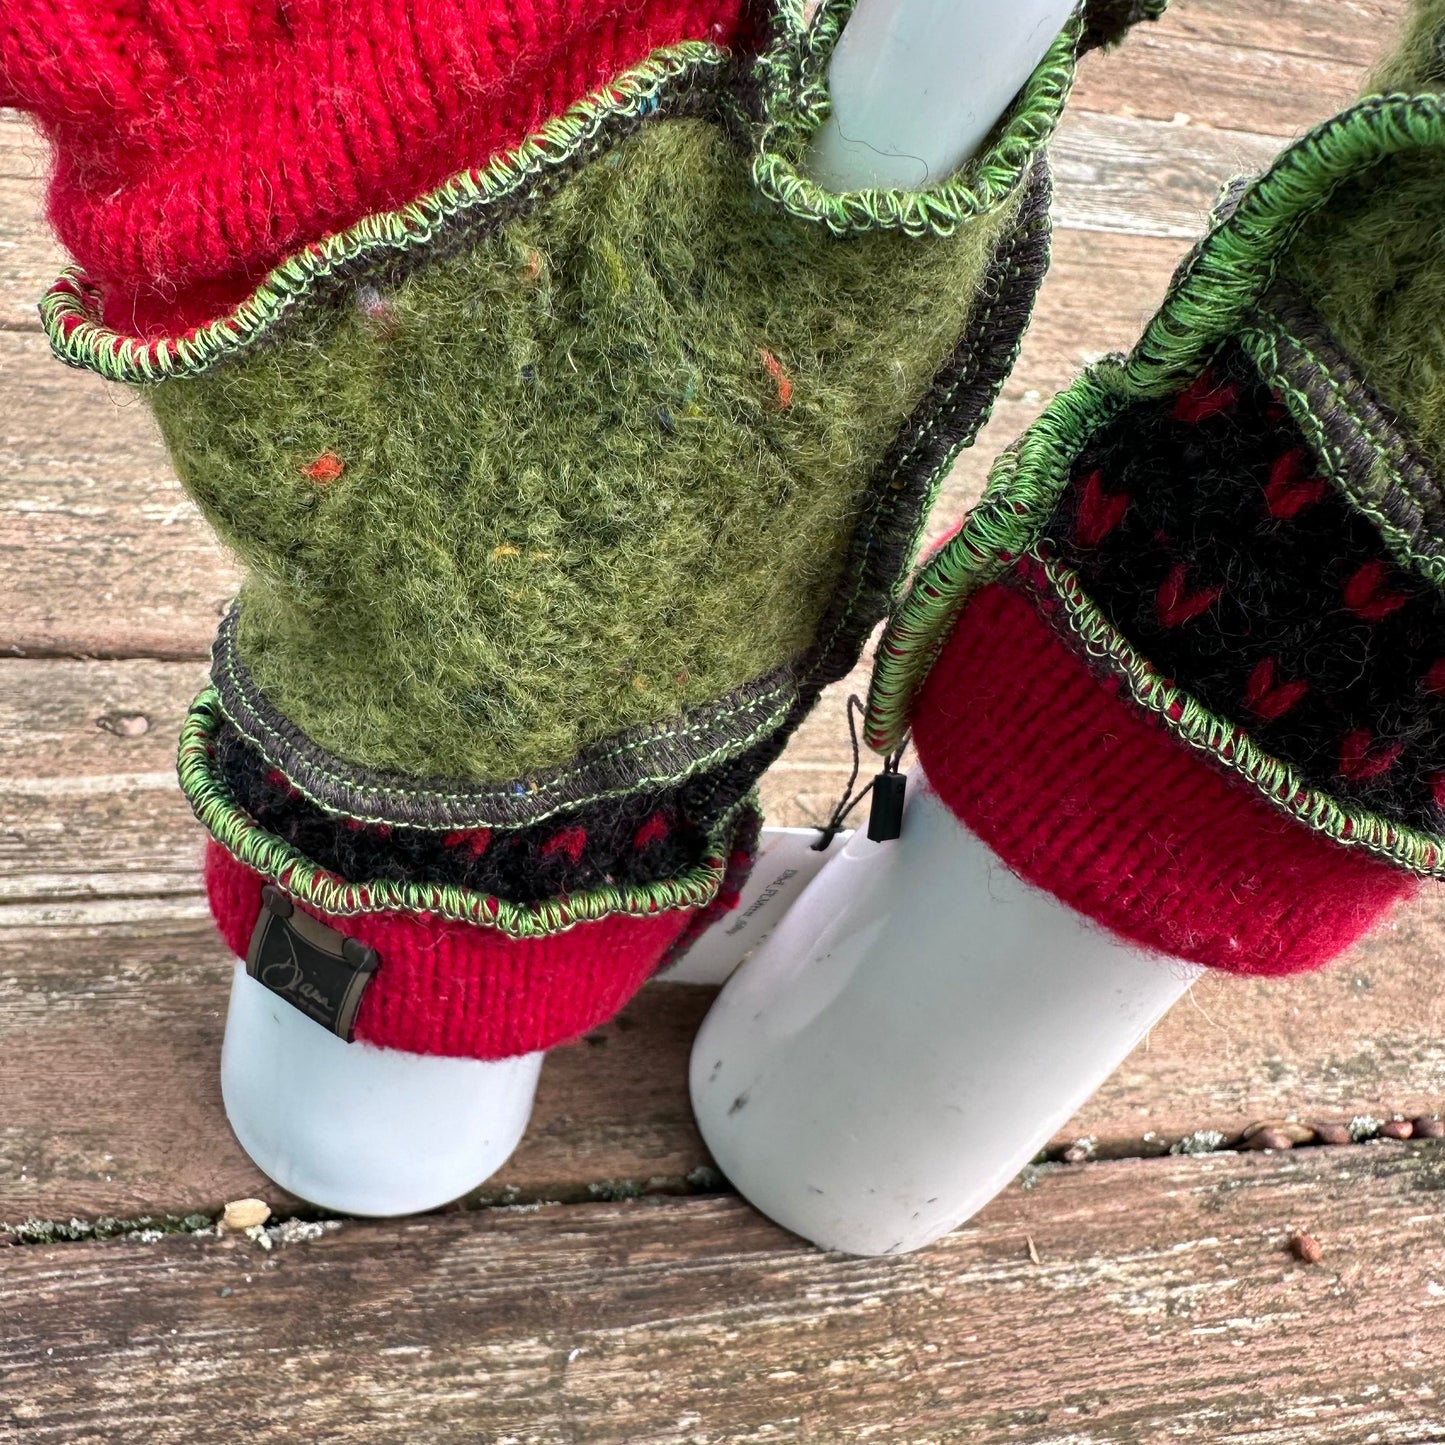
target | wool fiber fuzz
x=591, y=471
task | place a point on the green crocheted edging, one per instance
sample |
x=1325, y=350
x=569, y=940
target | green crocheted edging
x=1222, y=278
x=1023, y=489
x=792, y=75
x=1232, y=747
x=307, y=766
x=269, y=855
x=1210, y=298
x=70, y=309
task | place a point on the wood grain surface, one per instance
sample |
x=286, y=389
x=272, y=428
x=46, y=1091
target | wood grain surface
x=1139, y=1297
x=1163, y=1306
x=122, y=1018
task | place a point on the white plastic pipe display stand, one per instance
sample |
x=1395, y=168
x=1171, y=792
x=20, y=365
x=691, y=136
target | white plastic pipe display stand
x=359, y=1129
x=371, y=1131
x=917, y=85
x=922, y=1021
x=916, y=1028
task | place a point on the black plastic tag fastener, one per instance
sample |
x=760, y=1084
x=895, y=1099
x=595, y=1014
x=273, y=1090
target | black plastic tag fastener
x=317, y=970
x=885, y=815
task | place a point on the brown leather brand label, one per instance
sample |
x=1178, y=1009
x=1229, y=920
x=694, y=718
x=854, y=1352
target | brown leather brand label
x=316, y=969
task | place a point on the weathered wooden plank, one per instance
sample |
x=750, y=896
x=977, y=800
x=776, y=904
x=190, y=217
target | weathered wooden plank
x=78, y=720
x=29, y=258
x=678, y=1322
x=1351, y=31
x=109, y=1078
x=1145, y=177
x=89, y=807
x=123, y=1022
x=100, y=550
x=1267, y=69
x=1229, y=87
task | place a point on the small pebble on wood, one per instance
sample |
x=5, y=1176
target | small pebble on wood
x=1306, y=1248
x=242, y=1214
x=1397, y=1129
x=1287, y=1128
x=1268, y=1139
x=1333, y=1134
x=125, y=725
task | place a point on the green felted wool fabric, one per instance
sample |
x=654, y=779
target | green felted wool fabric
x=1373, y=261
x=597, y=467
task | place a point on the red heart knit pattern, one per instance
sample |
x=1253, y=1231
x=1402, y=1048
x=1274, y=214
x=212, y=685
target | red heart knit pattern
x=1176, y=604
x=1099, y=511
x=1206, y=397
x=1267, y=697
x=1368, y=593
x=1203, y=528
x=1291, y=486
x=1362, y=758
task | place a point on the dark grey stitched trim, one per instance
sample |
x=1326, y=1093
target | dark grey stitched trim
x=641, y=758
x=901, y=493
x=1360, y=438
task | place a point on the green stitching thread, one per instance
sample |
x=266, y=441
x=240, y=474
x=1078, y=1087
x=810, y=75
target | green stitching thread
x=1224, y=275
x=270, y=743
x=1210, y=297
x=796, y=103
x=240, y=835
x=70, y=309
x=979, y=323
x=1023, y=489
x=1187, y=718
x=1260, y=342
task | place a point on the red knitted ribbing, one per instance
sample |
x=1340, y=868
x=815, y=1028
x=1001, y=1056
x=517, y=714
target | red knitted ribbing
x=197, y=145
x=465, y=991
x=1081, y=795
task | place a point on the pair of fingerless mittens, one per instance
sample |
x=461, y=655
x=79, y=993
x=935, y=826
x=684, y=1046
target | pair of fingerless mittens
x=573, y=441
x=1184, y=666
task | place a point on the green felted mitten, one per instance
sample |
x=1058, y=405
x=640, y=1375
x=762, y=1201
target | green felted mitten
x=564, y=485
x=1184, y=665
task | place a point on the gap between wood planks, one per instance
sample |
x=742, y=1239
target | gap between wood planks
x=702, y=1182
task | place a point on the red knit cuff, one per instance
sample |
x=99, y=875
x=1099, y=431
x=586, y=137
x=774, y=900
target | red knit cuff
x=468, y=991
x=1081, y=795
x=194, y=151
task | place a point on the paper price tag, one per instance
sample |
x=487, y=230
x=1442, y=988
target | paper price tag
x=787, y=863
